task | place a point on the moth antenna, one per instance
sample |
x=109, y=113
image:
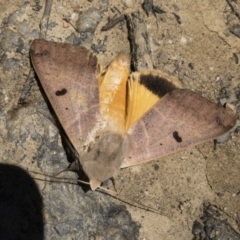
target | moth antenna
x=58, y=173
x=62, y=178
x=130, y=202
x=111, y=193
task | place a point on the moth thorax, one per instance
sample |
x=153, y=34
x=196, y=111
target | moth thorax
x=103, y=157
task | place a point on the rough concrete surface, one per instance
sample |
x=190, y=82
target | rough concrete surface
x=195, y=41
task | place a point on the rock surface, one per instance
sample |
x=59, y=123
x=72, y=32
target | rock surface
x=195, y=42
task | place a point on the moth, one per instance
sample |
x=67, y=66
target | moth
x=116, y=119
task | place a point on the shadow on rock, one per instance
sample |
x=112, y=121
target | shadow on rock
x=20, y=205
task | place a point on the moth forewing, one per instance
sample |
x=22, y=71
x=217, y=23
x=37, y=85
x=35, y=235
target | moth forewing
x=64, y=72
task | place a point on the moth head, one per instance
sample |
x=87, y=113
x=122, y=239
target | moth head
x=94, y=184
x=103, y=157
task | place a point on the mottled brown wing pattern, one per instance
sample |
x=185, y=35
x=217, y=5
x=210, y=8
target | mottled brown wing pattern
x=179, y=120
x=68, y=76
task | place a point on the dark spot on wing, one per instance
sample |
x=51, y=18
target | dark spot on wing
x=177, y=137
x=157, y=85
x=61, y=92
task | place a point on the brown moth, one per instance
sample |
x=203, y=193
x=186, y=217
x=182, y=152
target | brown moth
x=115, y=119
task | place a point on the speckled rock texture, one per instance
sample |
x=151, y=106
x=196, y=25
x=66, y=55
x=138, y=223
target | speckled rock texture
x=197, y=42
